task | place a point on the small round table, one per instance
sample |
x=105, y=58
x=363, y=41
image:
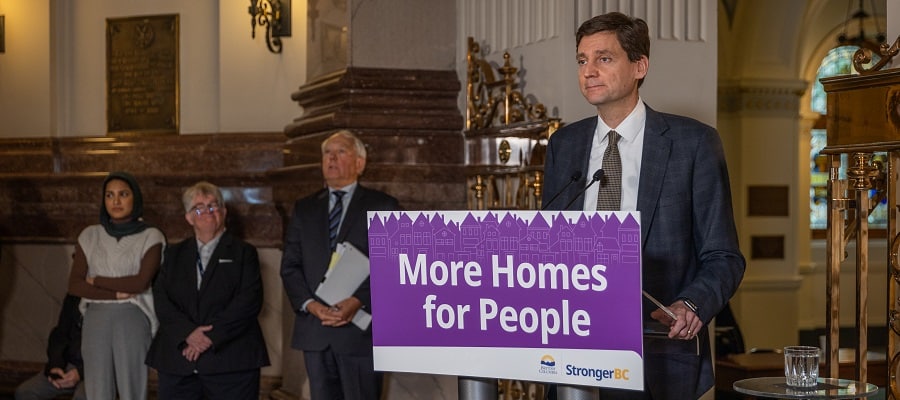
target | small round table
x=827, y=388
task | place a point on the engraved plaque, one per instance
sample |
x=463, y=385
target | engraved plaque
x=767, y=247
x=768, y=201
x=142, y=75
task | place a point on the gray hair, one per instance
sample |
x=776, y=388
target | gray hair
x=203, y=188
x=357, y=143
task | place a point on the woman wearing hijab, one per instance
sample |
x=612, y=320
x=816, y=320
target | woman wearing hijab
x=112, y=269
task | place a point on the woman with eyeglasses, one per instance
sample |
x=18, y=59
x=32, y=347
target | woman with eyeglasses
x=208, y=296
x=112, y=270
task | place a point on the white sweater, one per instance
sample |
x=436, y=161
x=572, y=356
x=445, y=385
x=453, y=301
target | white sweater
x=113, y=258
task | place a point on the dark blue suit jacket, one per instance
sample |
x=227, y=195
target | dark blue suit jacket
x=307, y=253
x=230, y=299
x=688, y=237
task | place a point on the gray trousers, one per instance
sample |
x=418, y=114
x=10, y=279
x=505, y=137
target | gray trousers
x=114, y=342
x=39, y=388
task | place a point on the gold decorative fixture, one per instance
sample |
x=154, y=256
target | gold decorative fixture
x=275, y=15
x=506, y=137
x=504, y=151
x=863, y=56
x=489, y=100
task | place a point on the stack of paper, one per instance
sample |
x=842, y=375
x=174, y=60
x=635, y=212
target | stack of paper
x=349, y=269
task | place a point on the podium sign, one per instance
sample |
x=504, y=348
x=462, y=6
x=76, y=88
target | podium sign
x=529, y=295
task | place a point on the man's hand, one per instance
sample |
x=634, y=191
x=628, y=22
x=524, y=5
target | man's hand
x=345, y=310
x=68, y=379
x=338, y=315
x=687, y=324
x=191, y=353
x=323, y=313
x=197, y=343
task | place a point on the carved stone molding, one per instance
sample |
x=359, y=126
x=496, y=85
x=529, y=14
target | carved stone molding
x=761, y=98
x=378, y=98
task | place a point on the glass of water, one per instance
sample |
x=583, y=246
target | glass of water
x=801, y=366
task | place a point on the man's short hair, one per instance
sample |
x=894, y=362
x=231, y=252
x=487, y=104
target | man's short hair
x=633, y=34
x=357, y=143
x=202, y=188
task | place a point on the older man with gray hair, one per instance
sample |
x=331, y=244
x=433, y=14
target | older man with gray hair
x=207, y=296
x=338, y=354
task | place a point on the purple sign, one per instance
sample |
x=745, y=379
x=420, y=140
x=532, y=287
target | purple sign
x=506, y=279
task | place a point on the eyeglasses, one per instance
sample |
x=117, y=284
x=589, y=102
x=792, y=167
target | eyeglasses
x=199, y=209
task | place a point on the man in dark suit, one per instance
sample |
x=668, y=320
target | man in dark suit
x=337, y=353
x=63, y=375
x=208, y=295
x=671, y=169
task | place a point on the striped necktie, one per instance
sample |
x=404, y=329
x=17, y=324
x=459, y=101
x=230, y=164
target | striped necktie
x=334, y=217
x=609, y=194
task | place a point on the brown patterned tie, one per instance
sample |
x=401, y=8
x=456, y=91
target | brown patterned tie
x=609, y=194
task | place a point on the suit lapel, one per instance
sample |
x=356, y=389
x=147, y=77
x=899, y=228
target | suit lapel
x=321, y=218
x=583, y=140
x=656, y=149
x=352, y=215
x=190, y=270
x=214, y=260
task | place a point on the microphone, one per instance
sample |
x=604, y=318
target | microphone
x=575, y=176
x=598, y=175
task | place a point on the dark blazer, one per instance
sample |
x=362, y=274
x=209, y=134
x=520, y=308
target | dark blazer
x=306, y=256
x=64, y=343
x=230, y=299
x=688, y=238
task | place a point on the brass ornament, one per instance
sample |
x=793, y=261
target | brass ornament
x=504, y=151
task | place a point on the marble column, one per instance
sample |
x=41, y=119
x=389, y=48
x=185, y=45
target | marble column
x=396, y=92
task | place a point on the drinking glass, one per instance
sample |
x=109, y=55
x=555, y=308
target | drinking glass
x=801, y=366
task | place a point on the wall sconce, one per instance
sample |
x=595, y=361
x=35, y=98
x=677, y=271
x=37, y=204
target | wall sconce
x=275, y=15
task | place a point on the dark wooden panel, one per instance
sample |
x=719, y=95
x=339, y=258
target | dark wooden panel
x=771, y=247
x=768, y=201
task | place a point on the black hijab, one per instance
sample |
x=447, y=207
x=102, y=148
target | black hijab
x=135, y=224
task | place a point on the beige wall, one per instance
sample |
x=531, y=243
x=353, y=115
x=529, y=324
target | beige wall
x=25, y=106
x=229, y=82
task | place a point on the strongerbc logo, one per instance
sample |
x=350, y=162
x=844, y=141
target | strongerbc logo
x=548, y=365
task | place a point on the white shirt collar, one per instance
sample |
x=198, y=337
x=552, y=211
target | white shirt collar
x=630, y=127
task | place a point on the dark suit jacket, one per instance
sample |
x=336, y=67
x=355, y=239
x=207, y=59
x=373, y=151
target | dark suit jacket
x=306, y=256
x=230, y=299
x=688, y=237
x=64, y=343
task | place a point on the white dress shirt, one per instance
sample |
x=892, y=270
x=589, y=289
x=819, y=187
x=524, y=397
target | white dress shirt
x=631, y=146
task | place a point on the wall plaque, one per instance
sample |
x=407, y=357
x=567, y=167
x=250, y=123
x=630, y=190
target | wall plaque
x=142, y=75
x=770, y=247
x=768, y=201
